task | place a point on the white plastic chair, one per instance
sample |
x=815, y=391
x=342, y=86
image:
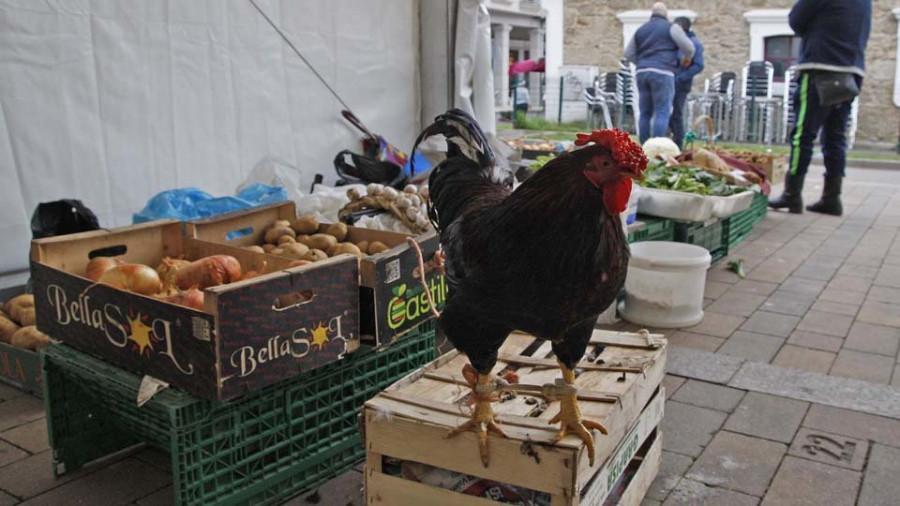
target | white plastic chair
x=597, y=101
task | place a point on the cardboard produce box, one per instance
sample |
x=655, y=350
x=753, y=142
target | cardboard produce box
x=251, y=333
x=391, y=297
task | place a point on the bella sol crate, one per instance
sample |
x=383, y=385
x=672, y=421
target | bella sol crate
x=251, y=333
x=391, y=297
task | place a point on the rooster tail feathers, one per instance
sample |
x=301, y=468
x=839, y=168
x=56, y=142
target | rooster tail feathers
x=464, y=137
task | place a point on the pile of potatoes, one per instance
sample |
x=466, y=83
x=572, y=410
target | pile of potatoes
x=17, y=324
x=301, y=241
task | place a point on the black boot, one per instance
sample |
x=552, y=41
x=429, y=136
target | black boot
x=830, y=203
x=791, y=197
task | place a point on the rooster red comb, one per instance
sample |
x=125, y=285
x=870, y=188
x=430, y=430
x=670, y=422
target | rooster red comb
x=624, y=151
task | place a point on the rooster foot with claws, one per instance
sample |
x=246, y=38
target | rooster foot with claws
x=569, y=415
x=484, y=392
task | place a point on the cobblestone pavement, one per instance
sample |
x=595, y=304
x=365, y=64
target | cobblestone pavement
x=786, y=393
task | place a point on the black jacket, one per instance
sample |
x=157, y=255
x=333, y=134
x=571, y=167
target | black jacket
x=834, y=33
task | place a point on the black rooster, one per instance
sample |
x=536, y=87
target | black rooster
x=546, y=259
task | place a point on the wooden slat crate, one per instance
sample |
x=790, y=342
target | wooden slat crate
x=619, y=385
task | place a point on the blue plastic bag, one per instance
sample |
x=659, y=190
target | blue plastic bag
x=193, y=203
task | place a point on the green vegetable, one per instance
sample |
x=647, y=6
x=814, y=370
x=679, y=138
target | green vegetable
x=687, y=179
x=539, y=162
x=738, y=267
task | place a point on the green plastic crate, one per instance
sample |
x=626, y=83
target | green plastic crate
x=740, y=225
x=655, y=229
x=260, y=449
x=711, y=235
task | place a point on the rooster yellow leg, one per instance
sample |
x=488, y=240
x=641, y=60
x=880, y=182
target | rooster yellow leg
x=484, y=391
x=569, y=415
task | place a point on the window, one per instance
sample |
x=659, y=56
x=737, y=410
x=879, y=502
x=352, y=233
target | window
x=782, y=51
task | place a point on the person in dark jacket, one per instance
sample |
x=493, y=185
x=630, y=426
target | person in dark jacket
x=834, y=36
x=654, y=50
x=684, y=80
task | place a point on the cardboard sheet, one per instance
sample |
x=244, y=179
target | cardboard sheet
x=111, y=102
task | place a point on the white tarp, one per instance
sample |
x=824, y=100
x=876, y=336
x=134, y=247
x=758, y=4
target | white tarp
x=474, y=80
x=112, y=101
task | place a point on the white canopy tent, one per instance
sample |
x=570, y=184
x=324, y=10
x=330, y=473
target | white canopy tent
x=111, y=102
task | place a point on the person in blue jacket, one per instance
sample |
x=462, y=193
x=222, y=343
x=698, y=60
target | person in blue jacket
x=684, y=79
x=654, y=50
x=834, y=36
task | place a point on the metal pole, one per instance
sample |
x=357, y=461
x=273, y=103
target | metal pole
x=559, y=114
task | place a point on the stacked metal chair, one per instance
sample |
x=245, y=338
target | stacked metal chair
x=788, y=112
x=716, y=101
x=756, y=109
x=600, y=99
x=626, y=97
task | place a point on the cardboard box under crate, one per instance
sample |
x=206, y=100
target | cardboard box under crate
x=406, y=425
x=391, y=297
x=245, y=338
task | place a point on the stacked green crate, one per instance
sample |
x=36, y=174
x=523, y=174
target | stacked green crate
x=259, y=449
x=655, y=229
x=710, y=235
x=741, y=224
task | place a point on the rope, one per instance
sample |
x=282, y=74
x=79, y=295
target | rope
x=300, y=55
x=415, y=245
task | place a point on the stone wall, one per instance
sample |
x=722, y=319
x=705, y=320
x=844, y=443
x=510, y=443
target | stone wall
x=593, y=36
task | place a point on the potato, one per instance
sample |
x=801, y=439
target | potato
x=299, y=263
x=7, y=329
x=267, y=248
x=17, y=304
x=344, y=247
x=306, y=224
x=314, y=255
x=321, y=242
x=295, y=250
x=256, y=249
x=273, y=234
x=363, y=246
x=29, y=338
x=303, y=239
x=338, y=231
x=286, y=239
x=277, y=252
x=26, y=317
x=377, y=247
x=281, y=223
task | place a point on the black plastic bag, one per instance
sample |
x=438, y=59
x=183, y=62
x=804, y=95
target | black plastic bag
x=62, y=217
x=363, y=170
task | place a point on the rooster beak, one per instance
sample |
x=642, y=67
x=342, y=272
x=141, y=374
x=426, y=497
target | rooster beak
x=636, y=175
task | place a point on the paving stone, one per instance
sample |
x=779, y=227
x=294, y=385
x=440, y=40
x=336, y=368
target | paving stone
x=803, y=286
x=888, y=275
x=646, y=501
x=9, y=393
x=716, y=324
x=758, y=347
x=814, y=340
x=771, y=274
x=884, y=294
x=671, y=469
x=863, y=366
x=693, y=493
x=853, y=424
x=826, y=323
x=34, y=475
x=873, y=339
x=804, y=358
x=850, y=284
x=796, y=304
x=737, y=303
x=20, y=410
x=672, y=384
x=32, y=436
x=689, y=428
x=814, y=272
x=344, y=489
x=702, y=365
x=764, y=322
x=835, y=307
x=737, y=462
x=162, y=497
x=715, y=289
x=696, y=341
x=880, y=313
x=709, y=395
x=880, y=484
x=895, y=380
x=10, y=454
x=767, y=416
x=859, y=271
x=754, y=287
x=803, y=482
x=837, y=295
x=7, y=500
x=831, y=449
x=119, y=483
x=156, y=458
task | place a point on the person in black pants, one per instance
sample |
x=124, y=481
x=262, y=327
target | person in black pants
x=684, y=79
x=832, y=57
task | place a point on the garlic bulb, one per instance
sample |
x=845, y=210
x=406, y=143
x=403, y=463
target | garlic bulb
x=402, y=202
x=423, y=192
x=414, y=200
x=422, y=222
x=412, y=213
x=410, y=188
x=390, y=193
x=353, y=194
x=375, y=189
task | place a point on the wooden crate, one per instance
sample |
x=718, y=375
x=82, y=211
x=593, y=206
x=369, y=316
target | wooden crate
x=621, y=388
x=243, y=340
x=391, y=297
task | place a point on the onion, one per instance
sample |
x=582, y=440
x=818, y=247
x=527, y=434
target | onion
x=192, y=298
x=136, y=278
x=210, y=271
x=168, y=269
x=99, y=265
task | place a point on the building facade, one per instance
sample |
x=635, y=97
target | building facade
x=736, y=32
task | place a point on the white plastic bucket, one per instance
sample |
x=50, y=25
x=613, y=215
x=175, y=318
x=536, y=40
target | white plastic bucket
x=665, y=284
